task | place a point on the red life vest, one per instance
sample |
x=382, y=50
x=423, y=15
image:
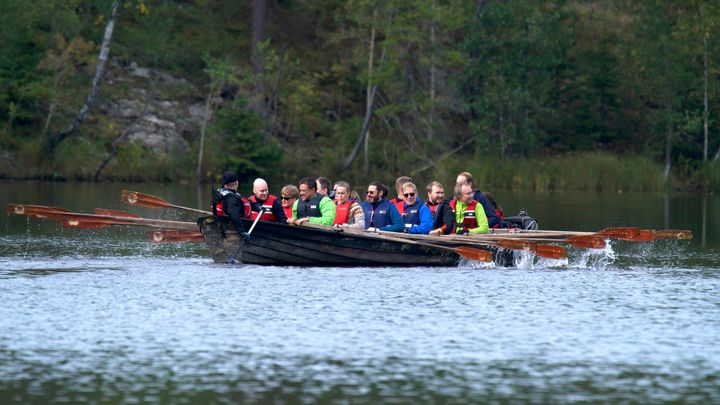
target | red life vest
x=288, y=211
x=267, y=205
x=341, y=212
x=399, y=204
x=219, y=201
x=469, y=219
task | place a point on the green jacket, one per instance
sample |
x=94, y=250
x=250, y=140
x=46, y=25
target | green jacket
x=327, y=212
x=479, y=216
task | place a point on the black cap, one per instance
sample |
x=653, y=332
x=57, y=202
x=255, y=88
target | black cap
x=229, y=177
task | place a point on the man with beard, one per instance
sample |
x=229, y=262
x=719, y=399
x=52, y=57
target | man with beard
x=381, y=214
x=443, y=217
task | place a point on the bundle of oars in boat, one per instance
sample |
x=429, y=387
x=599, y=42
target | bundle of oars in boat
x=544, y=243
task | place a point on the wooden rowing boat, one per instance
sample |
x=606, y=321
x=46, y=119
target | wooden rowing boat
x=277, y=244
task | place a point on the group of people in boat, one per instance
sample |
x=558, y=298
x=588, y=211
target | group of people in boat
x=315, y=201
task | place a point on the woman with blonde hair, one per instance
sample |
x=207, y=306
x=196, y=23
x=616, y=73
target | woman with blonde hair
x=288, y=195
x=348, y=213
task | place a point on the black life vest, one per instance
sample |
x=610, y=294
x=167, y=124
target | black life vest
x=309, y=208
x=218, y=202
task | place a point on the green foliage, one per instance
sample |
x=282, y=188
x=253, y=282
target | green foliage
x=531, y=87
x=238, y=143
x=585, y=171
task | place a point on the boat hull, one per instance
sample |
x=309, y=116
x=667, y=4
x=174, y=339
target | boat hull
x=277, y=244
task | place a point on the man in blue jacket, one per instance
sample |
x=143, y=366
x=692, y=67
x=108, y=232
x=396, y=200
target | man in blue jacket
x=381, y=214
x=415, y=214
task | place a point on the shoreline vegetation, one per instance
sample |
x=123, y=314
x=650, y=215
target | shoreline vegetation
x=526, y=95
x=592, y=171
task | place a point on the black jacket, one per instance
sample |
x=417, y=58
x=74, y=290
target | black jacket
x=443, y=215
x=233, y=204
x=493, y=219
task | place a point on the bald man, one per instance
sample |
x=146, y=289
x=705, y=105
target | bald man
x=268, y=204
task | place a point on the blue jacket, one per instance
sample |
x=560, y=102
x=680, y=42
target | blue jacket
x=417, y=218
x=383, y=215
x=492, y=218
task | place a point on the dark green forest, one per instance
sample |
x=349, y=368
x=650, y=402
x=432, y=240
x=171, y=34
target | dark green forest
x=548, y=95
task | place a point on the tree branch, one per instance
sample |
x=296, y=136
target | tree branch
x=56, y=139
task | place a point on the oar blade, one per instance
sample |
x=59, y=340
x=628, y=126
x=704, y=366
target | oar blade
x=474, y=254
x=83, y=224
x=673, y=234
x=586, y=241
x=551, y=251
x=174, y=236
x=620, y=233
x=142, y=199
x=644, y=235
x=517, y=244
x=38, y=211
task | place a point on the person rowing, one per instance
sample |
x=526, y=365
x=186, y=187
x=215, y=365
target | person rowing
x=312, y=207
x=288, y=195
x=348, y=213
x=442, y=214
x=469, y=214
x=415, y=214
x=398, y=200
x=492, y=218
x=228, y=206
x=265, y=204
x=381, y=214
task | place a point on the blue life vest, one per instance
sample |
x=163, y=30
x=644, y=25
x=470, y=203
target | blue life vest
x=379, y=215
x=411, y=214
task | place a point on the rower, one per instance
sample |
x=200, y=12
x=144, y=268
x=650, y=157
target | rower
x=288, y=195
x=492, y=218
x=381, y=214
x=469, y=214
x=398, y=200
x=228, y=206
x=348, y=212
x=443, y=217
x=265, y=204
x=416, y=215
x=312, y=207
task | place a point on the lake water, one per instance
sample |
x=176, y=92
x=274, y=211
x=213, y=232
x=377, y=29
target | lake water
x=102, y=316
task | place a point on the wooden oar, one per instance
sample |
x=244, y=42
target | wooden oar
x=174, y=236
x=579, y=241
x=81, y=220
x=673, y=234
x=37, y=211
x=547, y=251
x=151, y=201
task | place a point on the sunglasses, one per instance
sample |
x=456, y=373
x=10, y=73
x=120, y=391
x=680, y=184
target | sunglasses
x=370, y=192
x=286, y=198
x=409, y=195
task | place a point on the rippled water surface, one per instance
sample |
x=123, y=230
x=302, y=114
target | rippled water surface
x=103, y=316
